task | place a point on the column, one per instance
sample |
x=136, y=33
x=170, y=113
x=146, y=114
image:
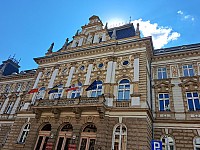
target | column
x=34, y=86
x=4, y=105
x=15, y=105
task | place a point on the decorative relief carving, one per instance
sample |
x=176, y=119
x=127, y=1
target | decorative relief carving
x=37, y=113
x=89, y=119
x=56, y=113
x=174, y=71
x=101, y=111
x=77, y=112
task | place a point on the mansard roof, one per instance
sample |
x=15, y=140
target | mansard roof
x=124, y=31
x=177, y=49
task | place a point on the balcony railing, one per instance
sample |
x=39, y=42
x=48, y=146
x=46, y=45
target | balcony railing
x=122, y=103
x=70, y=102
x=7, y=116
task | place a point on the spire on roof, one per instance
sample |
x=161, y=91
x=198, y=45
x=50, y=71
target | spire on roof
x=106, y=26
x=66, y=43
x=50, y=49
x=77, y=32
x=114, y=34
x=138, y=30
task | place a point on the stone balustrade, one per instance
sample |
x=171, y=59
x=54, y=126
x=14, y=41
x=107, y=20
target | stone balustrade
x=70, y=102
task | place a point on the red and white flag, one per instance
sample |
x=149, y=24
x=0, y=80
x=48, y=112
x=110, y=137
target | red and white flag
x=33, y=91
x=72, y=88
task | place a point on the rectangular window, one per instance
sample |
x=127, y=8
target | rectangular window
x=20, y=106
x=163, y=99
x=9, y=108
x=162, y=73
x=188, y=71
x=193, y=101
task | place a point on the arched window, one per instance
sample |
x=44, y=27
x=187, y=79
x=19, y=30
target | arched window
x=24, y=132
x=98, y=91
x=197, y=143
x=168, y=143
x=124, y=90
x=88, y=137
x=64, y=137
x=59, y=93
x=40, y=94
x=43, y=137
x=77, y=91
x=119, y=139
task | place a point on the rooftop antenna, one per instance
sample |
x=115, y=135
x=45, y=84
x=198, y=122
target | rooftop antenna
x=130, y=20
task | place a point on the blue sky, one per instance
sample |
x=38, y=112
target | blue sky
x=28, y=27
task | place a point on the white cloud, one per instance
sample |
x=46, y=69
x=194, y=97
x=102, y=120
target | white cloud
x=180, y=12
x=160, y=35
x=185, y=17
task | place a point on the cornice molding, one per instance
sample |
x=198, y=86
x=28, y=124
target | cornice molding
x=176, y=55
x=99, y=48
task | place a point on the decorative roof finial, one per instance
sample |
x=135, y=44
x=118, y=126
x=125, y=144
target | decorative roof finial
x=77, y=32
x=66, y=43
x=50, y=48
x=138, y=30
x=106, y=26
x=114, y=34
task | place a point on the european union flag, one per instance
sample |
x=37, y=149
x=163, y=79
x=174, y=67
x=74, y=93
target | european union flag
x=53, y=90
x=92, y=86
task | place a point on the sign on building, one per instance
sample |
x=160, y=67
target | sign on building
x=156, y=145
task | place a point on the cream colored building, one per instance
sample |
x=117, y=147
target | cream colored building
x=141, y=94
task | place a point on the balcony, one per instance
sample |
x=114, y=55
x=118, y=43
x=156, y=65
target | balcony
x=122, y=103
x=76, y=105
x=7, y=116
x=68, y=102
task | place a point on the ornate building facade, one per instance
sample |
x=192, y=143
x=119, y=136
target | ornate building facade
x=107, y=89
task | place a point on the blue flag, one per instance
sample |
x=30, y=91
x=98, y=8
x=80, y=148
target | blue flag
x=92, y=86
x=53, y=90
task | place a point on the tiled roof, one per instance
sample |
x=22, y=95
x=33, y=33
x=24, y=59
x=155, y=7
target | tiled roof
x=124, y=31
x=176, y=49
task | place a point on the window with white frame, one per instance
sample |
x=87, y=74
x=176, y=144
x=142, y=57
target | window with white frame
x=1, y=103
x=162, y=73
x=119, y=139
x=193, y=101
x=188, y=71
x=7, y=88
x=77, y=91
x=18, y=87
x=124, y=90
x=197, y=143
x=163, y=99
x=9, y=108
x=98, y=91
x=59, y=93
x=24, y=133
x=20, y=106
x=40, y=94
x=28, y=86
x=198, y=68
x=168, y=143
